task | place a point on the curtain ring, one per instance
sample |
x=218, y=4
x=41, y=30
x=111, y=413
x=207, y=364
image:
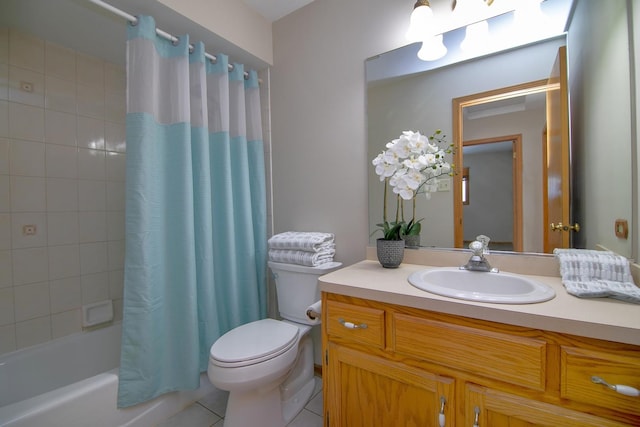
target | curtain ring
x=175, y=42
x=134, y=23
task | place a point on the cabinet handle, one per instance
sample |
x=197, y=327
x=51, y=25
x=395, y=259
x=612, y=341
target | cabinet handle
x=622, y=389
x=351, y=325
x=441, y=417
x=475, y=419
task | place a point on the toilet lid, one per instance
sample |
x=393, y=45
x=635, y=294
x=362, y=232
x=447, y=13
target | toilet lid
x=253, y=343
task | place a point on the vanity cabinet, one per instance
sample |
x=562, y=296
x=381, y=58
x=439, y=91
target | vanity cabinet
x=390, y=365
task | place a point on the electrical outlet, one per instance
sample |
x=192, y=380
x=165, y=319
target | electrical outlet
x=444, y=184
x=29, y=229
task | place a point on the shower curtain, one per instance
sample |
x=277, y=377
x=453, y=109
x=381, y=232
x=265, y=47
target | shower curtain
x=195, y=263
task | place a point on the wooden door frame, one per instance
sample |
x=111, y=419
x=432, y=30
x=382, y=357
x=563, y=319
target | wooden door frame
x=536, y=86
x=516, y=150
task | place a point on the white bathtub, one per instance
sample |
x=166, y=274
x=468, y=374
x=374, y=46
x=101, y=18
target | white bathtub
x=73, y=381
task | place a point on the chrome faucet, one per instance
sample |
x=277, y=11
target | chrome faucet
x=478, y=262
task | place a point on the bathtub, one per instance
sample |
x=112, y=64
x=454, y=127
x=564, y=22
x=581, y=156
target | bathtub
x=73, y=381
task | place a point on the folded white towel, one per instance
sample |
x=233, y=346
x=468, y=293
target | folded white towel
x=310, y=259
x=592, y=274
x=311, y=241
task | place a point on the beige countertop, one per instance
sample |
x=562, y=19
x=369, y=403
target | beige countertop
x=601, y=318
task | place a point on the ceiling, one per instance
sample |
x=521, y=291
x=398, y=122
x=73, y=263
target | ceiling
x=275, y=9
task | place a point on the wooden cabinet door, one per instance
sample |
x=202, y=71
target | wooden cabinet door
x=492, y=408
x=365, y=390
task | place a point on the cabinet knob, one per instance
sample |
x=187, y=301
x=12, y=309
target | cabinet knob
x=441, y=417
x=561, y=227
x=351, y=325
x=619, y=388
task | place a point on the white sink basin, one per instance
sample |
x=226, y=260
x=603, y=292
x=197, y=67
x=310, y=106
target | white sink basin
x=502, y=288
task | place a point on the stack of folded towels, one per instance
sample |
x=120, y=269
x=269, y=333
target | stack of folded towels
x=590, y=274
x=304, y=248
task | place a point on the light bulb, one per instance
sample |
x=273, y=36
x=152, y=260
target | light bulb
x=432, y=48
x=420, y=21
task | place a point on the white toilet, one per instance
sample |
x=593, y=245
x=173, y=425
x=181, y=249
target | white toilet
x=267, y=365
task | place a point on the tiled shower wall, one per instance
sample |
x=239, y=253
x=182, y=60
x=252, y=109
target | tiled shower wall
x=62, y=172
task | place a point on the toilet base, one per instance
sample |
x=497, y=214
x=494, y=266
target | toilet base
x=297, y=402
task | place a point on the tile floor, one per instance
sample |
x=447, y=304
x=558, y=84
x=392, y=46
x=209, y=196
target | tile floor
x=209, y=412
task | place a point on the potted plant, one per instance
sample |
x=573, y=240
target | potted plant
x=411, y=165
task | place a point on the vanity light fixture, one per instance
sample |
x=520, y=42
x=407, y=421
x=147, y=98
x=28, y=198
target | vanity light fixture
x=432, y=48
x=420, y=22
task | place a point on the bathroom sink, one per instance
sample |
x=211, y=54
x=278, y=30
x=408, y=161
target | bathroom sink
x=502, y=288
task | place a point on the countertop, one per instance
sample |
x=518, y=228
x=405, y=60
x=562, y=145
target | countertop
x=601, y=318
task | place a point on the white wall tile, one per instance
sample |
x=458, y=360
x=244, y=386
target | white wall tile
x=30, y=265
x=6, y=306
x=26, y=158
x=26, y=51
x=61, y=161
x=6, y=274
x=64, y=261
x=31, y=301
x=66, y=294
x=5, y=231
x=115, y=196
x=90, y=70
x=32, y=332
x=20, y=240
x=4, y=118
x=28, y=194
x=4, y=156
x=93, y=258
x=60, y=61
x=62, y=195
x=116, y=166
x=117, y=310
x=21, y=76
x=116, y=254
x=116, y=284
x=5, y=193
x=91, y=164
x=4, y=81
x=90, y=101
x=66, y=323
x=93, y=226
x=7, y=338
x=115, y=106
x=115, y=77
x=92, y=195
x=91, y=133
x=115, y=137
x=60, y=128
x=115, y=226
x=26, y=122
x=95, y=287
x=4, y=45
x=62, y=228
x=60, y=95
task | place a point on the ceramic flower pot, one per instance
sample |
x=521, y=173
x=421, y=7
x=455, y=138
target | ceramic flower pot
x=390, y=252
x=412, y=241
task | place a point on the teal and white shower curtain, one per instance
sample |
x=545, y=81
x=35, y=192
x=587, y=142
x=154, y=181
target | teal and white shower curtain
x=195, y=263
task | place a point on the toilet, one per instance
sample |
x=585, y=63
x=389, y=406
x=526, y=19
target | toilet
x=267, y=365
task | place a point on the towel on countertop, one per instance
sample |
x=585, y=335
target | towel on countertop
x=310, y=241
x=592, y=274
x=310, y=259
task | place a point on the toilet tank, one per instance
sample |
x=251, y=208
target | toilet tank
x=297, y=288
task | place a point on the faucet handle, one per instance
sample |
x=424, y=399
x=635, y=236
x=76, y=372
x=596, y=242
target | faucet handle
x=485, y=243
x=477, y=247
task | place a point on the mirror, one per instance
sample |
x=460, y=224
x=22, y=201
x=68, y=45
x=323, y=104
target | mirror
x=421, y=100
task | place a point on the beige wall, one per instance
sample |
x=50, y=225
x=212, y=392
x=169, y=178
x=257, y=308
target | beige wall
x=318, y=112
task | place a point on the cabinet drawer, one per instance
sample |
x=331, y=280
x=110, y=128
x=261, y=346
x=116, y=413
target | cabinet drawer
x=513, y=359
x=579, y=365
x=357, y=323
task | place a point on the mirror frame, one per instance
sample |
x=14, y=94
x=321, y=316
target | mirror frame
x=458, y=104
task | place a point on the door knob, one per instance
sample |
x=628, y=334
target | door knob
x=561, y=227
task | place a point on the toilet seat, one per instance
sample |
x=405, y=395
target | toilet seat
x=253, y=343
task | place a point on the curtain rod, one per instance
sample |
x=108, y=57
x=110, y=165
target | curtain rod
x=132, y=19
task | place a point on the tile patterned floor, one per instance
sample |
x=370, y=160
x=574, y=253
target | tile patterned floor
x=209, y=412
